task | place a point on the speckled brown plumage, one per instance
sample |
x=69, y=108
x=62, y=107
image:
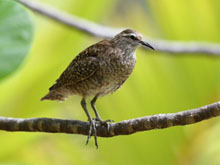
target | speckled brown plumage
x=98, y=70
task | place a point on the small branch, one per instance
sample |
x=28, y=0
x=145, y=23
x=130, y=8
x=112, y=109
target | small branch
x=125, y=127
x=71, y=20
x=108, y=32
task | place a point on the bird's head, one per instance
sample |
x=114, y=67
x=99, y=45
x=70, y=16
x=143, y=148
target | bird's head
x=130, y=38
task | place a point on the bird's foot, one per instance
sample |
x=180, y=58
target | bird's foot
x=104, y=122
x=92, y=130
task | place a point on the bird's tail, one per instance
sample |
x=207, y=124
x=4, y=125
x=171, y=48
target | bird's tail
x=52, y=95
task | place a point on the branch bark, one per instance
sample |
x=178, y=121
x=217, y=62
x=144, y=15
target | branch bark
x=126, y=127
x=107, y=32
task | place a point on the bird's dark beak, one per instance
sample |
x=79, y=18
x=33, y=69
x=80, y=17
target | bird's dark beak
x=146, y=44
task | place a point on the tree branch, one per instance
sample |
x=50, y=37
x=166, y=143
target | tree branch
x=125, y=127
x=108, y=32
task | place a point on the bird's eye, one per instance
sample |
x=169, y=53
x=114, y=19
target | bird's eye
x=132, y=37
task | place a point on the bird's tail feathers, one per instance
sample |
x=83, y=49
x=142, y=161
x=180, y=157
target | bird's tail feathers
x=53, y=96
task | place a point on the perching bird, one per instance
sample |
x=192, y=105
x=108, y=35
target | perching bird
x=97, y=71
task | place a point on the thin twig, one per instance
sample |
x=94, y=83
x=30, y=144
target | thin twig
x=108, y=32
x=125, y=127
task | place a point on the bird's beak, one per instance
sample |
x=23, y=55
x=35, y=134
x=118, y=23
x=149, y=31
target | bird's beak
x=146, y=44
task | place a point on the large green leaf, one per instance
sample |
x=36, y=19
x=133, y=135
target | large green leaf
x=15, y=36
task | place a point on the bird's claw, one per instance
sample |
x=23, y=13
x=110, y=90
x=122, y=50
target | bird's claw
x=92, y=129
x=104, y=122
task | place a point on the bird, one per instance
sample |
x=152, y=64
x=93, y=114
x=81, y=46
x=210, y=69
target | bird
x=100, y=69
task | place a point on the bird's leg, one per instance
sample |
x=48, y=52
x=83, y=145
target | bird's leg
x=92, y=123
x=98, y=118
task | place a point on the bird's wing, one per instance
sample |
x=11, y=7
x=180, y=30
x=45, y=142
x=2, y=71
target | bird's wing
x=81, y=68
x=84, y=65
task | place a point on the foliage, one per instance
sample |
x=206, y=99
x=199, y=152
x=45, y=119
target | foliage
x=16, y=35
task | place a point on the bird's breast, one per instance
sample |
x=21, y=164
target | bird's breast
x=115, y=72
x=121, y=66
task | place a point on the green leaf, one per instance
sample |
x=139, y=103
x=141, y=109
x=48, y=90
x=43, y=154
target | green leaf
x=15, y=36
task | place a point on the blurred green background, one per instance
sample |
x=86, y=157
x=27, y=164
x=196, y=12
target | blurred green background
x=160, y=83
